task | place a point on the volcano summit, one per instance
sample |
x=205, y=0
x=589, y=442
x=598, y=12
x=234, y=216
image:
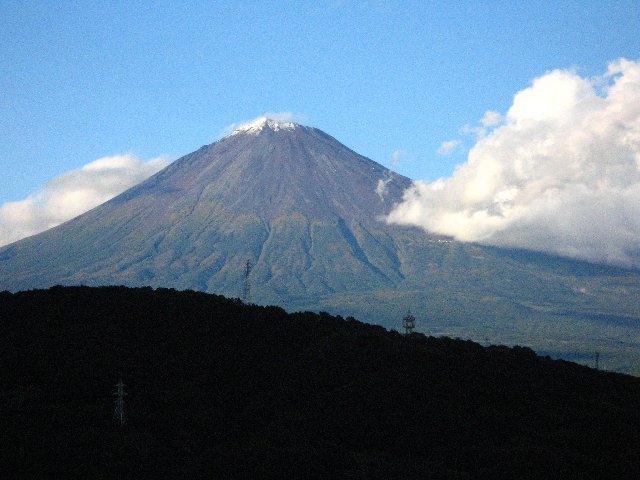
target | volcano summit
x=308, y=214
x=301, y=207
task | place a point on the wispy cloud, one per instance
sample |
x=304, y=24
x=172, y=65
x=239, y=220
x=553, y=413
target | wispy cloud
x=560, y=172
x=382, y=189
x=396, y=158
x=446, y=148
x=491, y=118
x=72, y=194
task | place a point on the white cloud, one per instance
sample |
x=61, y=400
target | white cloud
x=396, y=158
x=488, y=120
x=448, y=147
x=475, y=131
x=491, y=118
x=73, y=193
x=559, y=173
x=382, y=189
x=286, y=117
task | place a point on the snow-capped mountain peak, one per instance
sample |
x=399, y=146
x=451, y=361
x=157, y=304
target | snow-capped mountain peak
x=256, y=126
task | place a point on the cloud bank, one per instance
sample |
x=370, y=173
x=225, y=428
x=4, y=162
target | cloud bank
x=73, y=193
x=559, y=173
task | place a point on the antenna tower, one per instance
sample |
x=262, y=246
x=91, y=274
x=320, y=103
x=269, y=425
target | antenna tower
x=118, y=411
x=246, y=286
x=597, y=360
x=409, y=323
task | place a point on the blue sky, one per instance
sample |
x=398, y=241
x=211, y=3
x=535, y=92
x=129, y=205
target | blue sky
x=80, y=81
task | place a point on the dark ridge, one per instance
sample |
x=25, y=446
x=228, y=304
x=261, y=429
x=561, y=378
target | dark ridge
x=219, y=389
x=306, y=211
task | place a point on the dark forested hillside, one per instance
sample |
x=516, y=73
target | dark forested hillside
x=218, y=389
x=308, y=213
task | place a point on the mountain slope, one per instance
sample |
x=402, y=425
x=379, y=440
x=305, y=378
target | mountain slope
x=217, y=389
x=306, y=212
x=295, y=202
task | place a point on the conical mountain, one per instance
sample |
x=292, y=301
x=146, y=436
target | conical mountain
x=307, y=213
x=301, y=207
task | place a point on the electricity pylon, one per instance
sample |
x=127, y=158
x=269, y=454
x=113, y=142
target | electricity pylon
x=118, y=411
x=246, y=286
x=409, y=323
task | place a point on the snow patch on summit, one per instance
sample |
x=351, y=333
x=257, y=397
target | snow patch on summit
x=256, y=126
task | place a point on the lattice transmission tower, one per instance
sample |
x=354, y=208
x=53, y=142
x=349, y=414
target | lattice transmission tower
x=409, y=323
x=246, y=284
x=118, y=411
